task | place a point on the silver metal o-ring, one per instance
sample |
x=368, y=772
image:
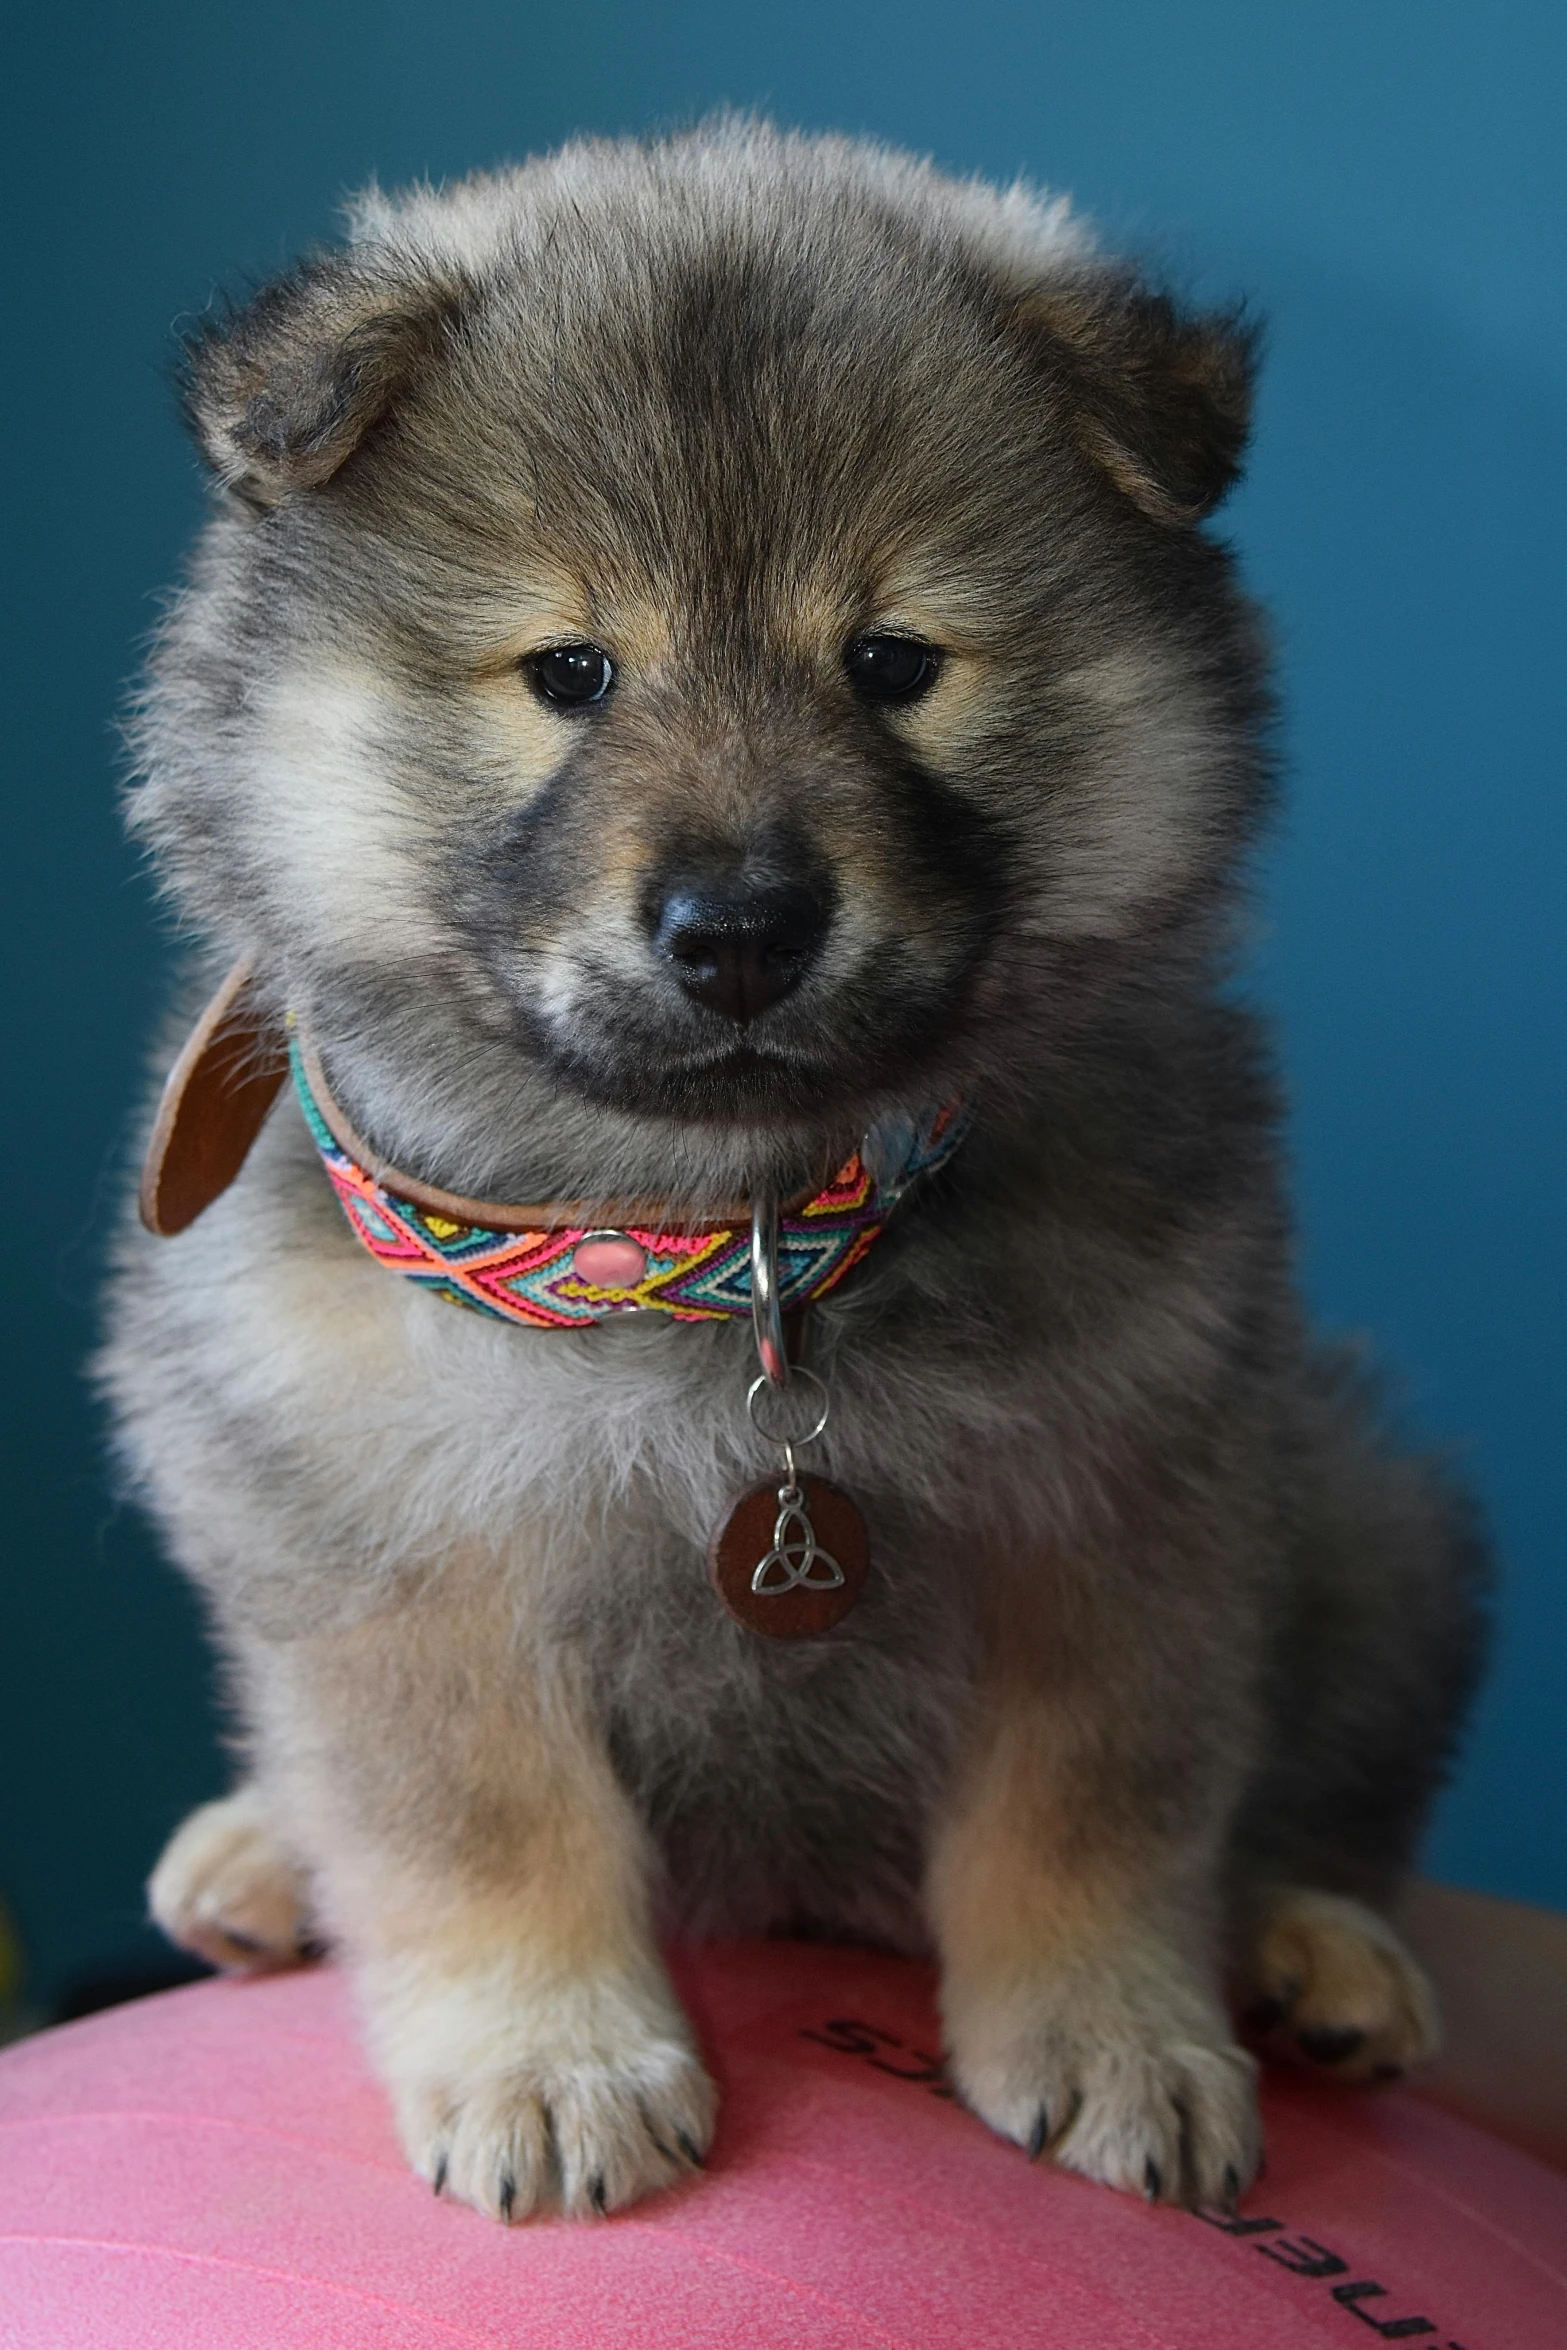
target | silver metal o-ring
x=762, y=1389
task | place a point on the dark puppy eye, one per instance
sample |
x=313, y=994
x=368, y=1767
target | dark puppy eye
x=571, y=674
x=890, y=668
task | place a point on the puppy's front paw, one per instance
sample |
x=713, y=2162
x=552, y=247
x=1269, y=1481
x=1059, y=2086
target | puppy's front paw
x=1332, y=1983
x=1134, y=2083
x=581, y=2100
x=226, y=1889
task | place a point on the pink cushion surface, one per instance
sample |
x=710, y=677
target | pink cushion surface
x=216, y=2169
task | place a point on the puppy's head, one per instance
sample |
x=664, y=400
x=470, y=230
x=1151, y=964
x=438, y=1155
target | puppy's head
x=715, y=632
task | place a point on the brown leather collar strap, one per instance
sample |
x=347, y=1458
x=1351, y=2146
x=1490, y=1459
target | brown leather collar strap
x=505, y=1216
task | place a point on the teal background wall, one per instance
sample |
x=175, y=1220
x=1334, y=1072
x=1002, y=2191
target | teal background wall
x=1386, y=179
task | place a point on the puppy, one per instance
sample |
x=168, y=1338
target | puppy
x=706, y=664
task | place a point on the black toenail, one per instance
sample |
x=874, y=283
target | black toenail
x=599, y=2197
x=1232, y=2184
x=689, y=2148
x=438, y=2182
x=1153, y=2180
x=1329, y=2043
x=508, y=2197
x=1039, y=2135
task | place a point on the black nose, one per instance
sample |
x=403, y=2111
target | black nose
x=739, y=950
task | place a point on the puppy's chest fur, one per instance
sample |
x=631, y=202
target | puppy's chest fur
x=785, y=1784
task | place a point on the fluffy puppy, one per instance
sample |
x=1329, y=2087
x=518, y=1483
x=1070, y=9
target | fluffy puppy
x=771, y=523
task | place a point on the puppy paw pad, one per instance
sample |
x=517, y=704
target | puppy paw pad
x=583, y=2138
x=1173, y=2120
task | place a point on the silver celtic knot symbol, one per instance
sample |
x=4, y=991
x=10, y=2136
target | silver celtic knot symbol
x=797, y=1561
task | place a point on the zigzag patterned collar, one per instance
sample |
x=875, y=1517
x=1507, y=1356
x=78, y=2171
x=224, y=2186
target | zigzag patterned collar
x=551, y=1269
x=548, y=1267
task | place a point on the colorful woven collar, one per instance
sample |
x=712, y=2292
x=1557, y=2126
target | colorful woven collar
x=540, y=1267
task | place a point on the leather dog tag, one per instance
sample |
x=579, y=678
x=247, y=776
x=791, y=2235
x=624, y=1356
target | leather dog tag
x=217, y=1095
x=790, y=1560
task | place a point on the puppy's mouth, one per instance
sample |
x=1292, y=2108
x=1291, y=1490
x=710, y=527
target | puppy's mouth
x=742, y=1081
x=822, y=1053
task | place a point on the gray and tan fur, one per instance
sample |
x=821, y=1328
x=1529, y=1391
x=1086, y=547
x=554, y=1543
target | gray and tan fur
x=1165, y=1648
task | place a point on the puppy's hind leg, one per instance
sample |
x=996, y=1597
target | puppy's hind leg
x=1326, y=1980
x=226, y=1889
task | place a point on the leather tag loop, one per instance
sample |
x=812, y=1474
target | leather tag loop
x=214, y=1104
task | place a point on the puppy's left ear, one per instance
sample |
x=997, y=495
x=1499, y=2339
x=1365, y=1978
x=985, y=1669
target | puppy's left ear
x=1160, y=398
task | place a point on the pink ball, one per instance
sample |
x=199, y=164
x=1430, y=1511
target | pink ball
x=215, y=2170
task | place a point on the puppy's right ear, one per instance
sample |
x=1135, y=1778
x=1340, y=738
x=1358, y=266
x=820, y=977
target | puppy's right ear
x=280, y=392
x=1159, y=398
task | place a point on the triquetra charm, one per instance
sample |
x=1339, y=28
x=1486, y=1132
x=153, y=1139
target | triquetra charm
x=790, y=1558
